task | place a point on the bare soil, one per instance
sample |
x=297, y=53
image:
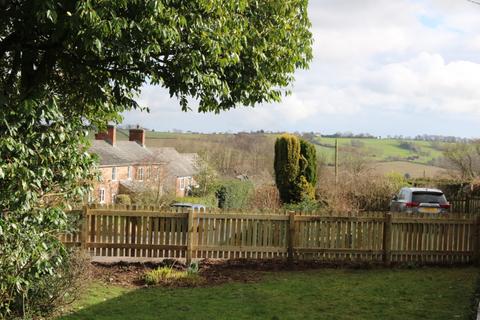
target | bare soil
x=214, y=272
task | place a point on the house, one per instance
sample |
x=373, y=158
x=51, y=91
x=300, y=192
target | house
x=130, y=166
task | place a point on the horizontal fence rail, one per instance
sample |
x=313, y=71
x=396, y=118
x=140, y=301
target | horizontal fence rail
x=148, y=232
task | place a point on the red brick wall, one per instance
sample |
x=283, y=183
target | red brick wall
x=111, y=187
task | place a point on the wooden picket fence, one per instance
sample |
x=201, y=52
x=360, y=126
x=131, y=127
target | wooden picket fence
x=147, y=232
x=465, y=205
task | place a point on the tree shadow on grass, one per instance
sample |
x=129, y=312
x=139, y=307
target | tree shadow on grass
x=427, y=293
x=178, y=303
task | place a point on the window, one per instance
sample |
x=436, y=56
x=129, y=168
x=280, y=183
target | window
x=101, y=195
x=149, y=172
x=129, y=173
x=140, y=174
x=114, y=198
x=429, y=197
x=114, y=173
x=182, y=183
x=89, y=197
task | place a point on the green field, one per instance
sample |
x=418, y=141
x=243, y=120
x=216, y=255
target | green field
x=381, y=149
x=424, y=293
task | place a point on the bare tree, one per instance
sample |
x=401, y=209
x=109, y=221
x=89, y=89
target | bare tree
x=464, y=158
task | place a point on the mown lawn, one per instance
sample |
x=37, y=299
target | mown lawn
x=425, y=293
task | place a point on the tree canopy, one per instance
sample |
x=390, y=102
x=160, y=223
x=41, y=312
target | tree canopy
x=95, y=55
x=67, y=66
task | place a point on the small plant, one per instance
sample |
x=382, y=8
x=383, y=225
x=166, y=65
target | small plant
x=192, y=268
x=169, y=275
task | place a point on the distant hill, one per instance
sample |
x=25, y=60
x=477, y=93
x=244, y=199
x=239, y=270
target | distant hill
x=252, y=153
x=382, y=150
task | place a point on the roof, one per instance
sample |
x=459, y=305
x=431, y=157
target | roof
x=131, y=153
x=122, y=153
x=178, y=164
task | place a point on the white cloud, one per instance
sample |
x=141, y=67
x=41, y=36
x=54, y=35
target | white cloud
x=373, y=60
x=427, y=82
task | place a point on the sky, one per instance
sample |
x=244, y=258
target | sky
x=383, y=67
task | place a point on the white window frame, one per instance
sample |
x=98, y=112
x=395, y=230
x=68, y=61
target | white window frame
x=182, y=183
x=140, y=173
x=101, y=195
x=114, y=173
x=129, y=173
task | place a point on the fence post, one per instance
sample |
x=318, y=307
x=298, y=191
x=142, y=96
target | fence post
x=84, y=228
x=291, y=236
x=387, y=239
x=189, y=237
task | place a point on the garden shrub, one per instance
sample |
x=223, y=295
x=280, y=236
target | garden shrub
x=150, y=196
x=265, y=197
x=53, y=292
x=123, y=199
x=303, y=190
x=309, y=170
x=362, y=192
x=234, y=194
x=295, y=167
x=286, y=165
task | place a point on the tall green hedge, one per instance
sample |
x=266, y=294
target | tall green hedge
x=309, y=170
x=295, y=167
x=286, y=165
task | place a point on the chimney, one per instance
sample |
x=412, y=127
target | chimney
x=137, y=135
x=110, y=135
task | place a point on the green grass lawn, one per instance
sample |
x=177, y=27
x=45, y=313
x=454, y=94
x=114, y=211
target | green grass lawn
x=425, y=293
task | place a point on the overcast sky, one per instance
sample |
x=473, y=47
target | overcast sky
x=385, y=67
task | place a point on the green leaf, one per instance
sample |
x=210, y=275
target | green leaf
x=98, y=45
x=52, y=15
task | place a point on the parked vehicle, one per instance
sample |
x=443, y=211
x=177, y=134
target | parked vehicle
x=187, y=205
x=419, y=200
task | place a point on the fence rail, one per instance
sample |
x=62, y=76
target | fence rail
x=375, y=237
